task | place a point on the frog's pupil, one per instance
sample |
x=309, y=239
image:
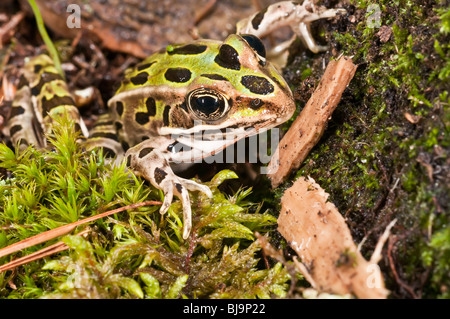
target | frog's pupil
x=207, y=104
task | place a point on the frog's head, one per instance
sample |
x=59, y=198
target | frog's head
x=206, y=85
x=233, y=87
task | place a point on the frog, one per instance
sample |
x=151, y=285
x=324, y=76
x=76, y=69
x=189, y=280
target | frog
x=167, y=105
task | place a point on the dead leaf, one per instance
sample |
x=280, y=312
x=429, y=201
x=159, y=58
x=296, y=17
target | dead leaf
x=330, y=260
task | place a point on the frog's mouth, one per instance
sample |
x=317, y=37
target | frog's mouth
x=205, y=140
x=206, y=143
x=226, y=128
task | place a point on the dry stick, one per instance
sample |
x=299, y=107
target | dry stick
x=47, y=251
x=204, y=11
x=62, y=230
x=391, y=243
x=7, y=28
x=309, y=126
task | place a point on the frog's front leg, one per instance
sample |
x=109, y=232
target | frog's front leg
x=298, y=16
x=150, y=163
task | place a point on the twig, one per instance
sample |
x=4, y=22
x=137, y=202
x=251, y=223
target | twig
x=309, y=126
x=5, y=30
x=392, y=241
x=62, y=230
x=376, y=255
x=270, y=251
x=47, y=251
x=205, y=10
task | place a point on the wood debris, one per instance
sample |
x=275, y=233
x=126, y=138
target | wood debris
x=309, y=126
x=56, y=232
x=330, y=260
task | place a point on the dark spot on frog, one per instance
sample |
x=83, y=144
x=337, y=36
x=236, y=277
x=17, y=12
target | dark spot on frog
x=109, y=153
x=256, y=21
x=16, y=110
x=216, y=77
x=129, y=161
x=179, y=187
x=37, y=68
x=55, y=101
x=256, y=44
x=166, y=115
x=257, y=84
x=119, y=108
x=188, y=49
x=118, y=125
x=23, y=142
x=178, y=75
x=125, y=146
x=144, y=66
x=151, y=106
x=111, y=136
x=22, y=82
x=13, y=130
x=46, y=77
x=159, y=174
x=140, y=78
x=256, y=104
x=145, y=151
x=142, y=118
x=228, y=57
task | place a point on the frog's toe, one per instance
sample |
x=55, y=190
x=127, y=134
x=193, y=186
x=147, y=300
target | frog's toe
x=179, y=187
x=181, y=191
x=194, y=186
x=168, y=196
x=183, y=194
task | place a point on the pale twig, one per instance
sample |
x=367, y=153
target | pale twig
x=47, y=251
x=62, y=230
x=376, y=255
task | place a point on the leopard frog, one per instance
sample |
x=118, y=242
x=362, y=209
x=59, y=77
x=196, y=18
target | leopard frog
x=174, y=96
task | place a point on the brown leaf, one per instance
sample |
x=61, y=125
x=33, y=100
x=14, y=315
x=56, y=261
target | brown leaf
x=316, y=230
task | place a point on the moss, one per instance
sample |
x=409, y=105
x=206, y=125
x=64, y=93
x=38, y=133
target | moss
x=139, y=254
x=374, y=162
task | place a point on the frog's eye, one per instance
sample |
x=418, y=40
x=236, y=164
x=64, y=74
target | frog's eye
x=207, y=104
x=255, y=43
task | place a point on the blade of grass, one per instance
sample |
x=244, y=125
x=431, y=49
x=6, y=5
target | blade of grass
x=48, y=42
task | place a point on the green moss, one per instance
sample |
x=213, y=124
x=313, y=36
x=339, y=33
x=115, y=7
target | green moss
x=377, y=165
x=139, y=254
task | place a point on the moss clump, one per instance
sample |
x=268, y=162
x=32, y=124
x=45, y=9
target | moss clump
x=138, y=254
x=385, y=152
